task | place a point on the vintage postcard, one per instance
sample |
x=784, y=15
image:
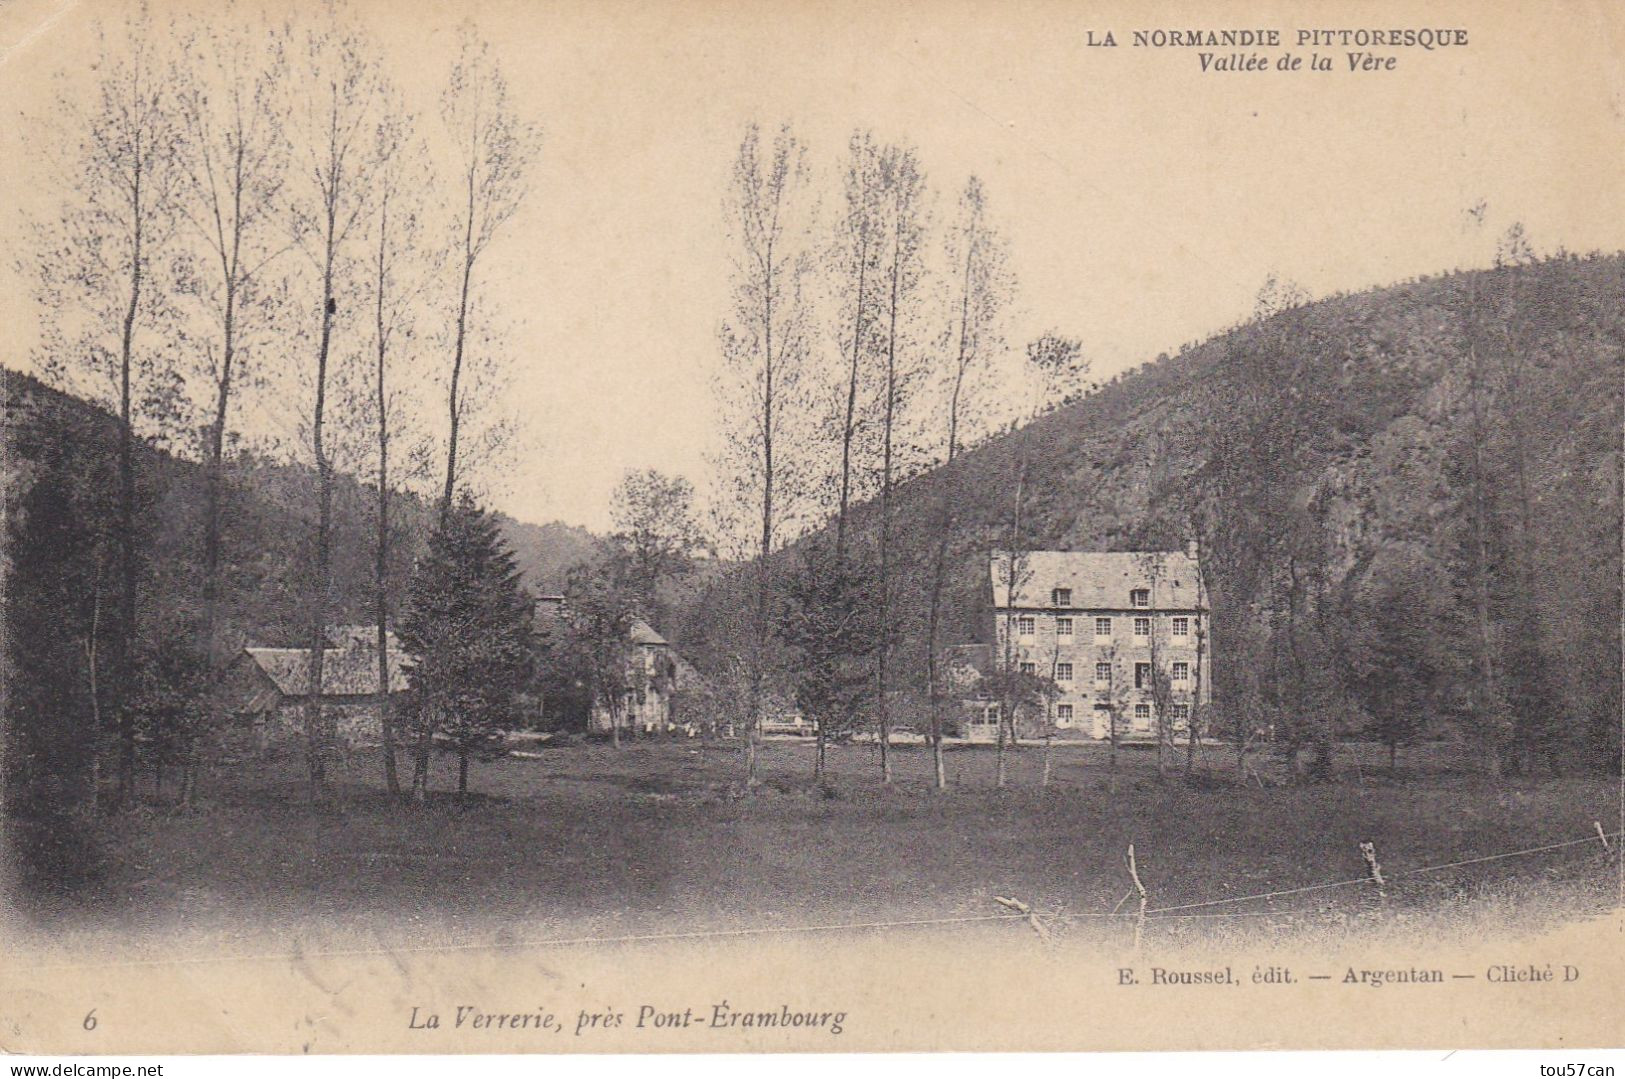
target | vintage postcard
x=546, y=526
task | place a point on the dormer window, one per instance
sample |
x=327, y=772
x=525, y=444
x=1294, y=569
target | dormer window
x=1139, y=597
x=1061, y=597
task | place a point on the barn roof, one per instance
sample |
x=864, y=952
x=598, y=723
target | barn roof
x=346, y=672
x=362, y=634
x=1099, y=580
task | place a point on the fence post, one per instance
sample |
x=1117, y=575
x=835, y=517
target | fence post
x=1369, y=851
x=1134, y=875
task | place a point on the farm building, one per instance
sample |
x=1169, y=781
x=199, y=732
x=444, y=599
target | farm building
x=1112, y=632
x=267, y=688
x=655, y=678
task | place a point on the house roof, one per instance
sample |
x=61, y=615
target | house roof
x=1099, y=580
x=346, y=672
x=641, y=632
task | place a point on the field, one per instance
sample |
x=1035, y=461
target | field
x=659, y=837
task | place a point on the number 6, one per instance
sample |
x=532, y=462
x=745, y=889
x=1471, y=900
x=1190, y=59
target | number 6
x=90, y=1020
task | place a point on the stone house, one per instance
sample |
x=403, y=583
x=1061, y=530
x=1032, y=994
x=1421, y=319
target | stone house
x=1114, y=632
x=657, y=677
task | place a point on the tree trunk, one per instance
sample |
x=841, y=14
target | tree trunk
x=316, y=740
x=213, y=481
x=380, y=569
x=750, y=753
x=1489, y=710
x=933, y=672
x=999, y=767
x=883, y=653
x=386, y=716
x=764, y=572
x=127, y=559
x=938, y=764
x=420, y=770
x=453, y=405
x=848, y=429
x=462, y=772
x=92, y=652
x=945, y=527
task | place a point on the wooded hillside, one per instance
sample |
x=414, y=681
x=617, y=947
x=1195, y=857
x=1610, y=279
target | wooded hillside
x=267, y=509
x=1408, y=502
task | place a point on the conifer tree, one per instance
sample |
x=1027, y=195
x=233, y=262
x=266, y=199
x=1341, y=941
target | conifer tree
x=468, y=629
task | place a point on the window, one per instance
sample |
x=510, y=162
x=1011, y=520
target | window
x=1103, y=674
x=990, y=714
x=1142, y=627
x=1139, y=597
x=1063, y=715
x=1103, y=627
x=1029, y=668
x=1142, y=713
x=1063, y=627
x=1182, y=627
x=1061, y=597
x=1182, y=671
x=1182, y=712
x=1024, y=625
x=1142, y=675
x=1063, y=672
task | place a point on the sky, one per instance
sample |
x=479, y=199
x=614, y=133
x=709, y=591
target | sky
x=1144, y=200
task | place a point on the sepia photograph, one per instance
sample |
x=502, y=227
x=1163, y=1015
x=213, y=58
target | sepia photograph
x=548, y=526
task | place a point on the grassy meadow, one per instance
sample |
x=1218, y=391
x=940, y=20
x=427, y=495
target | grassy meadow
x=660, y=837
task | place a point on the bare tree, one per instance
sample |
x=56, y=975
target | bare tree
x=233, y=157
x=495, y=150
x=976, y=255
x=903, y=187
x=759, y=388
x=399, y=268
x=862, y=238
x=96, y=277
x=336, y=125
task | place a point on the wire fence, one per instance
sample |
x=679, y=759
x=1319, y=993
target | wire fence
x=1015, y=911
